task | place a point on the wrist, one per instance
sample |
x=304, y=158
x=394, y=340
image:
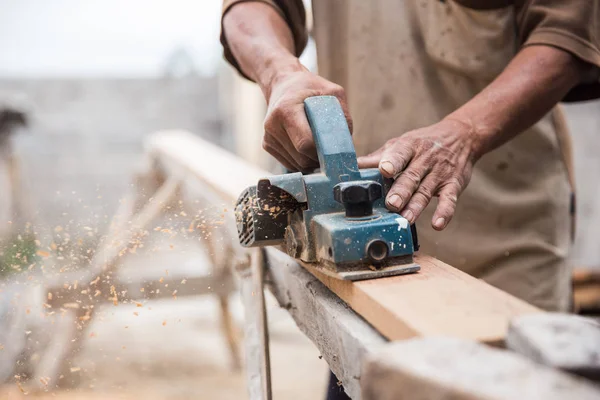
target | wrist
x=478, y=139
x=275, y=69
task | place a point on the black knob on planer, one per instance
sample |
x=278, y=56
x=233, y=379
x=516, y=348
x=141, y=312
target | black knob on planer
x=357, y=197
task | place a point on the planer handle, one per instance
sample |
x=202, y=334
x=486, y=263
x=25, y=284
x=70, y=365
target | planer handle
x=332, y=137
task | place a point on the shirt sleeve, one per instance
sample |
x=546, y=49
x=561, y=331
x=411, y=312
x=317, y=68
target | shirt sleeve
x=573, y=26
x=292, y=11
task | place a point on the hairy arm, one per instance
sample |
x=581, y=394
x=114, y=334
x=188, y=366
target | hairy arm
x=263, y=46
x=261, y=42
x=438, y=160
x=534, y=82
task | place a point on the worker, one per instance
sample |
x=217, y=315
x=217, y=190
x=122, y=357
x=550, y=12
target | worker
x=441, y=94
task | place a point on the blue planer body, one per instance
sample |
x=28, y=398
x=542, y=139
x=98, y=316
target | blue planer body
x=335, y=218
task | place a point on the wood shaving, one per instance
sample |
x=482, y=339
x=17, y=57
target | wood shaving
x=21, y=388
x=42, y=253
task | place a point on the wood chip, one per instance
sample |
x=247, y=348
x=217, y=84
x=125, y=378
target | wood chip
x=42, y=253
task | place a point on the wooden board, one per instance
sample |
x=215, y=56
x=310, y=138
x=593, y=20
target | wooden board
x=439, y=300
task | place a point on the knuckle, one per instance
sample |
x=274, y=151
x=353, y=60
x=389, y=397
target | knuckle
x=412, y=176
x=265, y=145
x=456, y=181
x=403, y=193
x=426, y=144
x=338, y=91
x=270, y=122
x=449, y=199
x=277, y=113
x=390, y=143
x=417, y=205
x=426, y=191
x=422, y=148
x=447, y=165
x=304, y=146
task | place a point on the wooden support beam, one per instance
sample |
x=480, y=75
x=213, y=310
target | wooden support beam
x=256, y=334
x=439, y=300
x=343, y=338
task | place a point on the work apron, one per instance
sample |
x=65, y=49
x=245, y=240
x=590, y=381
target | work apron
x=407, y=64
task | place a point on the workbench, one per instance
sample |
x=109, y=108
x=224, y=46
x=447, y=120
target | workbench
x=438, y=312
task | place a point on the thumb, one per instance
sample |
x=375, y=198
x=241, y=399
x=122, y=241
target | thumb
x=370, y=160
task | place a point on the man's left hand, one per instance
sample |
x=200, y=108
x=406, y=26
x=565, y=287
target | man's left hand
x=432, y=161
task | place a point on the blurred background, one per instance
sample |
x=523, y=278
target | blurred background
x=81, y=84
x=92, y=79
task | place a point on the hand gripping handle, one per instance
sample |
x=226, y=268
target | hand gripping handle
x=332, y=138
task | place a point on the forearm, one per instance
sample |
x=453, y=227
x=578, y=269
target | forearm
x=261, y=42
x=534, y=81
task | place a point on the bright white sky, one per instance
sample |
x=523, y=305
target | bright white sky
x=116, y=38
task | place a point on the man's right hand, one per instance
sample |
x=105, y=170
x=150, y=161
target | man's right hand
x=287, y=134
x=264, y=48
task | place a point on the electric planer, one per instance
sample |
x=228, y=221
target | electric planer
x=335, y=218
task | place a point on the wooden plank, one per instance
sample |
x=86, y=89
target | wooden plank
x=439, y=300
x=220, y=170
x=448, y=368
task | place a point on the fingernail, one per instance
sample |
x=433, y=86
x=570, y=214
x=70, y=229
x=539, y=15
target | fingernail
x=387, y=167
x=394, y=201
x=408, y=215
x=440, y=223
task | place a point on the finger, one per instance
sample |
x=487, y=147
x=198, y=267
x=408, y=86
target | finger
x=299, y=132
x=275, y=149
x=279, y=126
x=394, y=159
x=420, y=198
x=405, y=185
x=446, y=205
x=285, y=145
x=370, y=160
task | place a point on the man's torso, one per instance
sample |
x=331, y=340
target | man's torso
x=406, y=64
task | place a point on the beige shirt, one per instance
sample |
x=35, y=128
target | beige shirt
x=407, y=64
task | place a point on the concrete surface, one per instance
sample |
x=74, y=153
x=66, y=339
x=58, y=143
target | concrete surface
x=437, y=368
x=563, y=341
